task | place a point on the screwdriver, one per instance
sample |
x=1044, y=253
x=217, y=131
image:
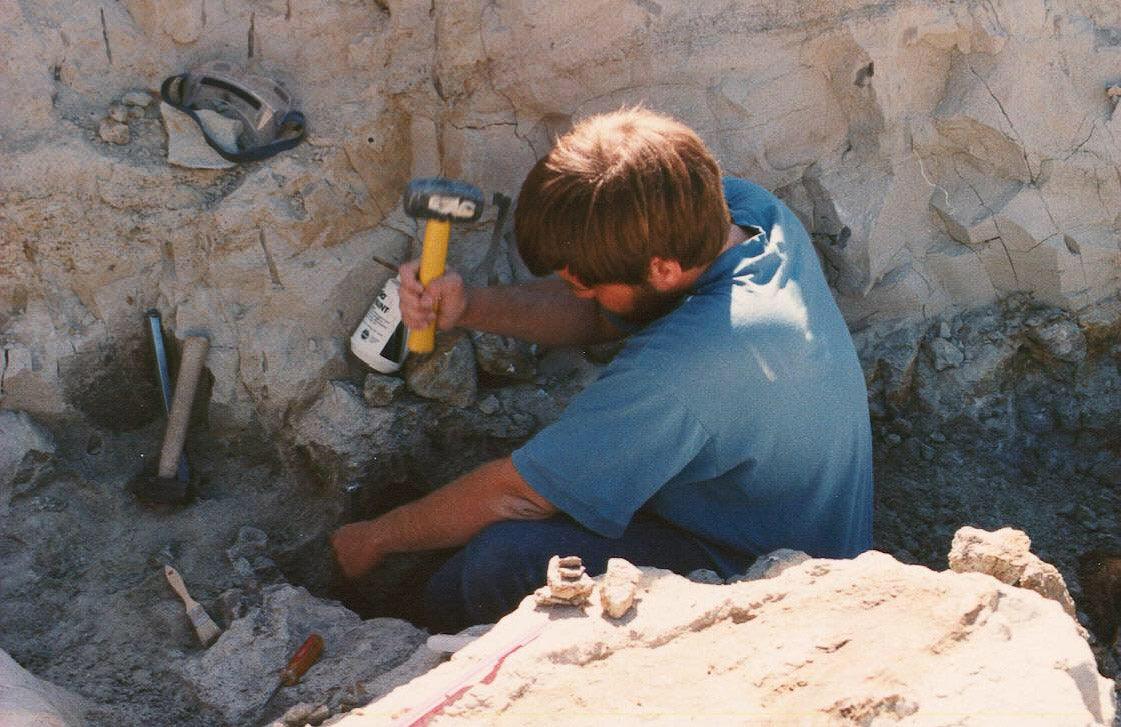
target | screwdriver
x=308, y=653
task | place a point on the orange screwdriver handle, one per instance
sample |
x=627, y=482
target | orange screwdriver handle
x=308, y=653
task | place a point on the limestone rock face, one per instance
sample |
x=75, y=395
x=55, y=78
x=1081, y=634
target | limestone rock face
x=938, y=154
x=857, y=641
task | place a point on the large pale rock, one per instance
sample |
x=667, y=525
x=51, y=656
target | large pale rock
x=27, y=701
x=235, y=675
x=848, y=641
x=1006, y=555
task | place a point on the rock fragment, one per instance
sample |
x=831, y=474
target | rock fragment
x=140, y=99
x=448, y=374
x=618, y=587
x=380, y=389
x=772, y=564
x=945, y=355
x=567, y=583
x=25, y=448
x=1006, y=555
x=1062, y=339
x=118, y=113
x=114, y=132
x=186, y=146
x=504, y=356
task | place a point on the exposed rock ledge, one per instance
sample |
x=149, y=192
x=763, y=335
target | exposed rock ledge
x=826, y=641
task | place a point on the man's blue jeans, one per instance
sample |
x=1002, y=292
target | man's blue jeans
x=504, y=563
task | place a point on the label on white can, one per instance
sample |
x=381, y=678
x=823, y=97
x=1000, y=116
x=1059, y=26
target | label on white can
x=379, y=341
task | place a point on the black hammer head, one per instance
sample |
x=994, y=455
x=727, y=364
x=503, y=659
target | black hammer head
x=443, y=199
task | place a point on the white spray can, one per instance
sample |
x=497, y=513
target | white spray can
x=379, y=341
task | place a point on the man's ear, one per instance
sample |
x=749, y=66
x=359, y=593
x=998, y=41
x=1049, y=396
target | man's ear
x=664, y=275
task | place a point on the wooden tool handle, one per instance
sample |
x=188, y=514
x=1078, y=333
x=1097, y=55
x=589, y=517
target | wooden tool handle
x=308, y=653
x=179, y=586
x=433, y=258
x=190, y=366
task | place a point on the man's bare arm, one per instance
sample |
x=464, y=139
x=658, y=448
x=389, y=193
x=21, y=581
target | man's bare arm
x=540, y=311
x=446, y=518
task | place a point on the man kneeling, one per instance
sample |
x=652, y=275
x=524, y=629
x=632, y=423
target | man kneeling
x=733, y=422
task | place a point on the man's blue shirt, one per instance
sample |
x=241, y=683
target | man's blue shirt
x=741, y=416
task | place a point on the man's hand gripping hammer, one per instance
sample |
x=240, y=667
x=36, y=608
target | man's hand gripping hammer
x=439, y=202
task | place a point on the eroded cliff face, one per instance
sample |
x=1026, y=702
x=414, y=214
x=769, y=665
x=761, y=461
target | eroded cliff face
x=943, y=155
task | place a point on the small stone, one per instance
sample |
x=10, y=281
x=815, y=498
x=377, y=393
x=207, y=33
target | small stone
x=118, y=112
x=138, y=99
x=618, y=587
x=113, y=132
x=704, y=575
x=893, y=439
x=490, y=405
x=902, y=425
x=503, y=356
x=381, y=390
x=297, y=715
x=1062, y=339
x=945, y=354
x=566, y=582
x=937, y=436
x=771, y=565
x=944, y=330
x=318, y=715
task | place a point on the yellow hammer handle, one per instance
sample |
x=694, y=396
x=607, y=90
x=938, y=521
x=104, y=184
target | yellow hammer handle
x=433, y=257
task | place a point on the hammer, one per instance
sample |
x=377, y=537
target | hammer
x=165, y=487
x=439, y=202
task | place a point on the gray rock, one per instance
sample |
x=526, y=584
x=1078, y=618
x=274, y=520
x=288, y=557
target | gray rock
x=140, y=99
x=945, y=355
x=504, y=356
x=234, y=676
x=1062, y=339
x=342, y=438
x=381, y=390
x=114, y=132
x=704, y=575
x=448, y=374
x=25, y=451
x=119, y=113
x=490, y=405
x=297, y=715
x=772, y=564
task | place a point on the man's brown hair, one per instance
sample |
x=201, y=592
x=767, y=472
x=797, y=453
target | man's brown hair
x=616, y=191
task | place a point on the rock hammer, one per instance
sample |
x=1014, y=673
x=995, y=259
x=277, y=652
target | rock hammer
x=439, y=202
